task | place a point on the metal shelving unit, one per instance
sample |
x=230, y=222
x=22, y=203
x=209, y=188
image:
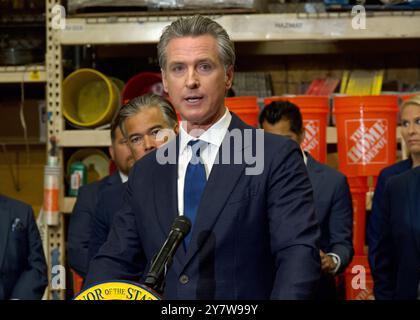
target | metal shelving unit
x=18, y=74
x=102, y=139
x=249, y=27
x=53, y=236
x=19, y=141
x=84, y=138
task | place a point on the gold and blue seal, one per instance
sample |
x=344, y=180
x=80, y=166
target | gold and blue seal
x=117, y=290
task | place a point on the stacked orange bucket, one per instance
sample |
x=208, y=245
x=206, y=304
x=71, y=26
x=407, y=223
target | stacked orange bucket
x=366, y=133
x=245, y=107
x=314, y=111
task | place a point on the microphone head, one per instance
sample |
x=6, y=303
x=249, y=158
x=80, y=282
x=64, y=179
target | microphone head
x=182, y=224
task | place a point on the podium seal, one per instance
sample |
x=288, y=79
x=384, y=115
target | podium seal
x=117, y=290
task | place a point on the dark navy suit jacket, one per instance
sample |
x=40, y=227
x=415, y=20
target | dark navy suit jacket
x=396, y=255
x=375, y=219
x=334, y=210
x=110, y=204
x=79, y=227
x=23, y=270
x=110, y=201
x=254, y=237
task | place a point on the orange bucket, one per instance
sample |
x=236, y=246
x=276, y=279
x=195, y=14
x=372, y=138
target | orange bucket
x=245, y=107
x=405, y=97
x=314, y=111
x=358, y=189
x=77, y=282
x=359, y=282
x=366, y=133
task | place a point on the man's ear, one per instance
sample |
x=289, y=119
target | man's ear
x=164, y=82
x=176, y=128
x=302, y=136
x=111, y=153
x=229, y=78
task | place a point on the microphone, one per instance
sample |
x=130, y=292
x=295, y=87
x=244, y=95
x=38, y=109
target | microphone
x=162, y=261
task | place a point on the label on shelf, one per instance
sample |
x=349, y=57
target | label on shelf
x=34, y=75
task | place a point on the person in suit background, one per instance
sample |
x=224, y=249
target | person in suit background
x=23, y=270
x=396, y=256
x=254, y=230
x=87, y=198
x=332, y=196
x=410, y=131
x=147, y=122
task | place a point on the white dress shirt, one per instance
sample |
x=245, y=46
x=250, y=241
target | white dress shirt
x=123, y=177
x=214, y=137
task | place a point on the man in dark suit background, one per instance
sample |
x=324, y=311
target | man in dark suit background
x=332, y=197
x=254, y=230
x=23, y=270
x=147, y=122
x=396, y=255
x=79, y=227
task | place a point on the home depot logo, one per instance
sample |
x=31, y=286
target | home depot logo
x=312, y=137
x=367, y=142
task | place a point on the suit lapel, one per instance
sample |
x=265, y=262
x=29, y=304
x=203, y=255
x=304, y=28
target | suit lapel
x=220, y=184
x=166, y=196
x=4, y=228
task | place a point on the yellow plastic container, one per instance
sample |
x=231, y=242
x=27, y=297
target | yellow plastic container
x=90, y=98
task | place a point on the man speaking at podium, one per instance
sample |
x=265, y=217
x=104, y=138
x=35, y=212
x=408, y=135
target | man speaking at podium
x=254, y=233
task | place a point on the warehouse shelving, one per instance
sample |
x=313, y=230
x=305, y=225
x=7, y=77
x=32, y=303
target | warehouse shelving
x=323, y=27
x=101, y=138
x=250, y=27
x=84, y=138
x=19, y=141
x=32, y=73
x=72, y=138
x=302, y=33
x=17, y=74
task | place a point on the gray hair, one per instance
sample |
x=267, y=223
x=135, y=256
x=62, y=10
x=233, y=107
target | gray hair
x=193, y=27
x=143, y=102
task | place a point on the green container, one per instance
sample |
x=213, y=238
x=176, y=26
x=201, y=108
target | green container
x=78, y=177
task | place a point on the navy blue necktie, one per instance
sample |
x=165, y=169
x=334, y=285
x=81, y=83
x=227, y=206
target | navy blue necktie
x=194, y=184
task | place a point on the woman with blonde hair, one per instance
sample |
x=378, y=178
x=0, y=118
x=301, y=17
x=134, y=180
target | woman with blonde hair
x=392, y=232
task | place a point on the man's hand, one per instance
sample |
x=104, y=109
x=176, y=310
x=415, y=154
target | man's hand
x=327, y=263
